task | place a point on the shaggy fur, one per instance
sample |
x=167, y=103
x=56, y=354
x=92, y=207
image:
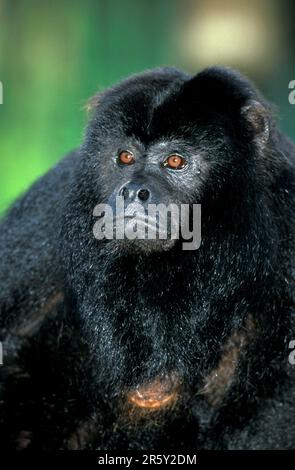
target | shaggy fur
x=85, y=324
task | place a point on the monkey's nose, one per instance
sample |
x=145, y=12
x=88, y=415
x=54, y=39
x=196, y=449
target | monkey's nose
x=133, y=192
x=143, y=194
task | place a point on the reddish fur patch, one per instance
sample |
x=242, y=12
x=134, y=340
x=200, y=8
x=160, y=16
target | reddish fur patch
x=219, y=380
x=33, y=323
x=163, y=391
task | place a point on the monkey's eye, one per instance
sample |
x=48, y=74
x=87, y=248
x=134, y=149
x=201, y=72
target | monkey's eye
x=126, y=157
x=175, y=162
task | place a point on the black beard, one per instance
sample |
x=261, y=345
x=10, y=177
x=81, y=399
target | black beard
x=141, y=322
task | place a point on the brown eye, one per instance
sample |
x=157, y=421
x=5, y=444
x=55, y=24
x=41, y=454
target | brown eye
x=175, y=162
x=126, y=158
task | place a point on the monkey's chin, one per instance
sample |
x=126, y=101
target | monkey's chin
x=142, y=235
x=139, y=246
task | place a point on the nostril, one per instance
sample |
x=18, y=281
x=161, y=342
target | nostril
x=143, y=194
x=125, y=193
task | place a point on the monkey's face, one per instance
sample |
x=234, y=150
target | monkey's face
x=152, y=145
x=149, y=190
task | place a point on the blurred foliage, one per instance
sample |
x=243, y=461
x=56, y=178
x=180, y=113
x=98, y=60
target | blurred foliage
x=53, y=57
x=55, y=54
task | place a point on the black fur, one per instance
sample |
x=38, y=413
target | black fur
x=85, y=321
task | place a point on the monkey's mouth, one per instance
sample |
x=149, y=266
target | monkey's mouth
x=159, y=393
x=141, y=227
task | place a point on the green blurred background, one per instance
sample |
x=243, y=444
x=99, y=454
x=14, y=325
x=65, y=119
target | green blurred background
x=55, y=54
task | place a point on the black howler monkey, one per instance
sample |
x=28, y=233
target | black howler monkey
x=139, y=344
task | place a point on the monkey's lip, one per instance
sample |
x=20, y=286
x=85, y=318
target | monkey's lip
x=159, y=393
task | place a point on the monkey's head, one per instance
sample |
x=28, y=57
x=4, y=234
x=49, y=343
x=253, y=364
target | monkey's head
x=164, y=138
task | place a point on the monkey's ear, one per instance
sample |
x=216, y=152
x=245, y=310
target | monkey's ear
x=258, y=118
